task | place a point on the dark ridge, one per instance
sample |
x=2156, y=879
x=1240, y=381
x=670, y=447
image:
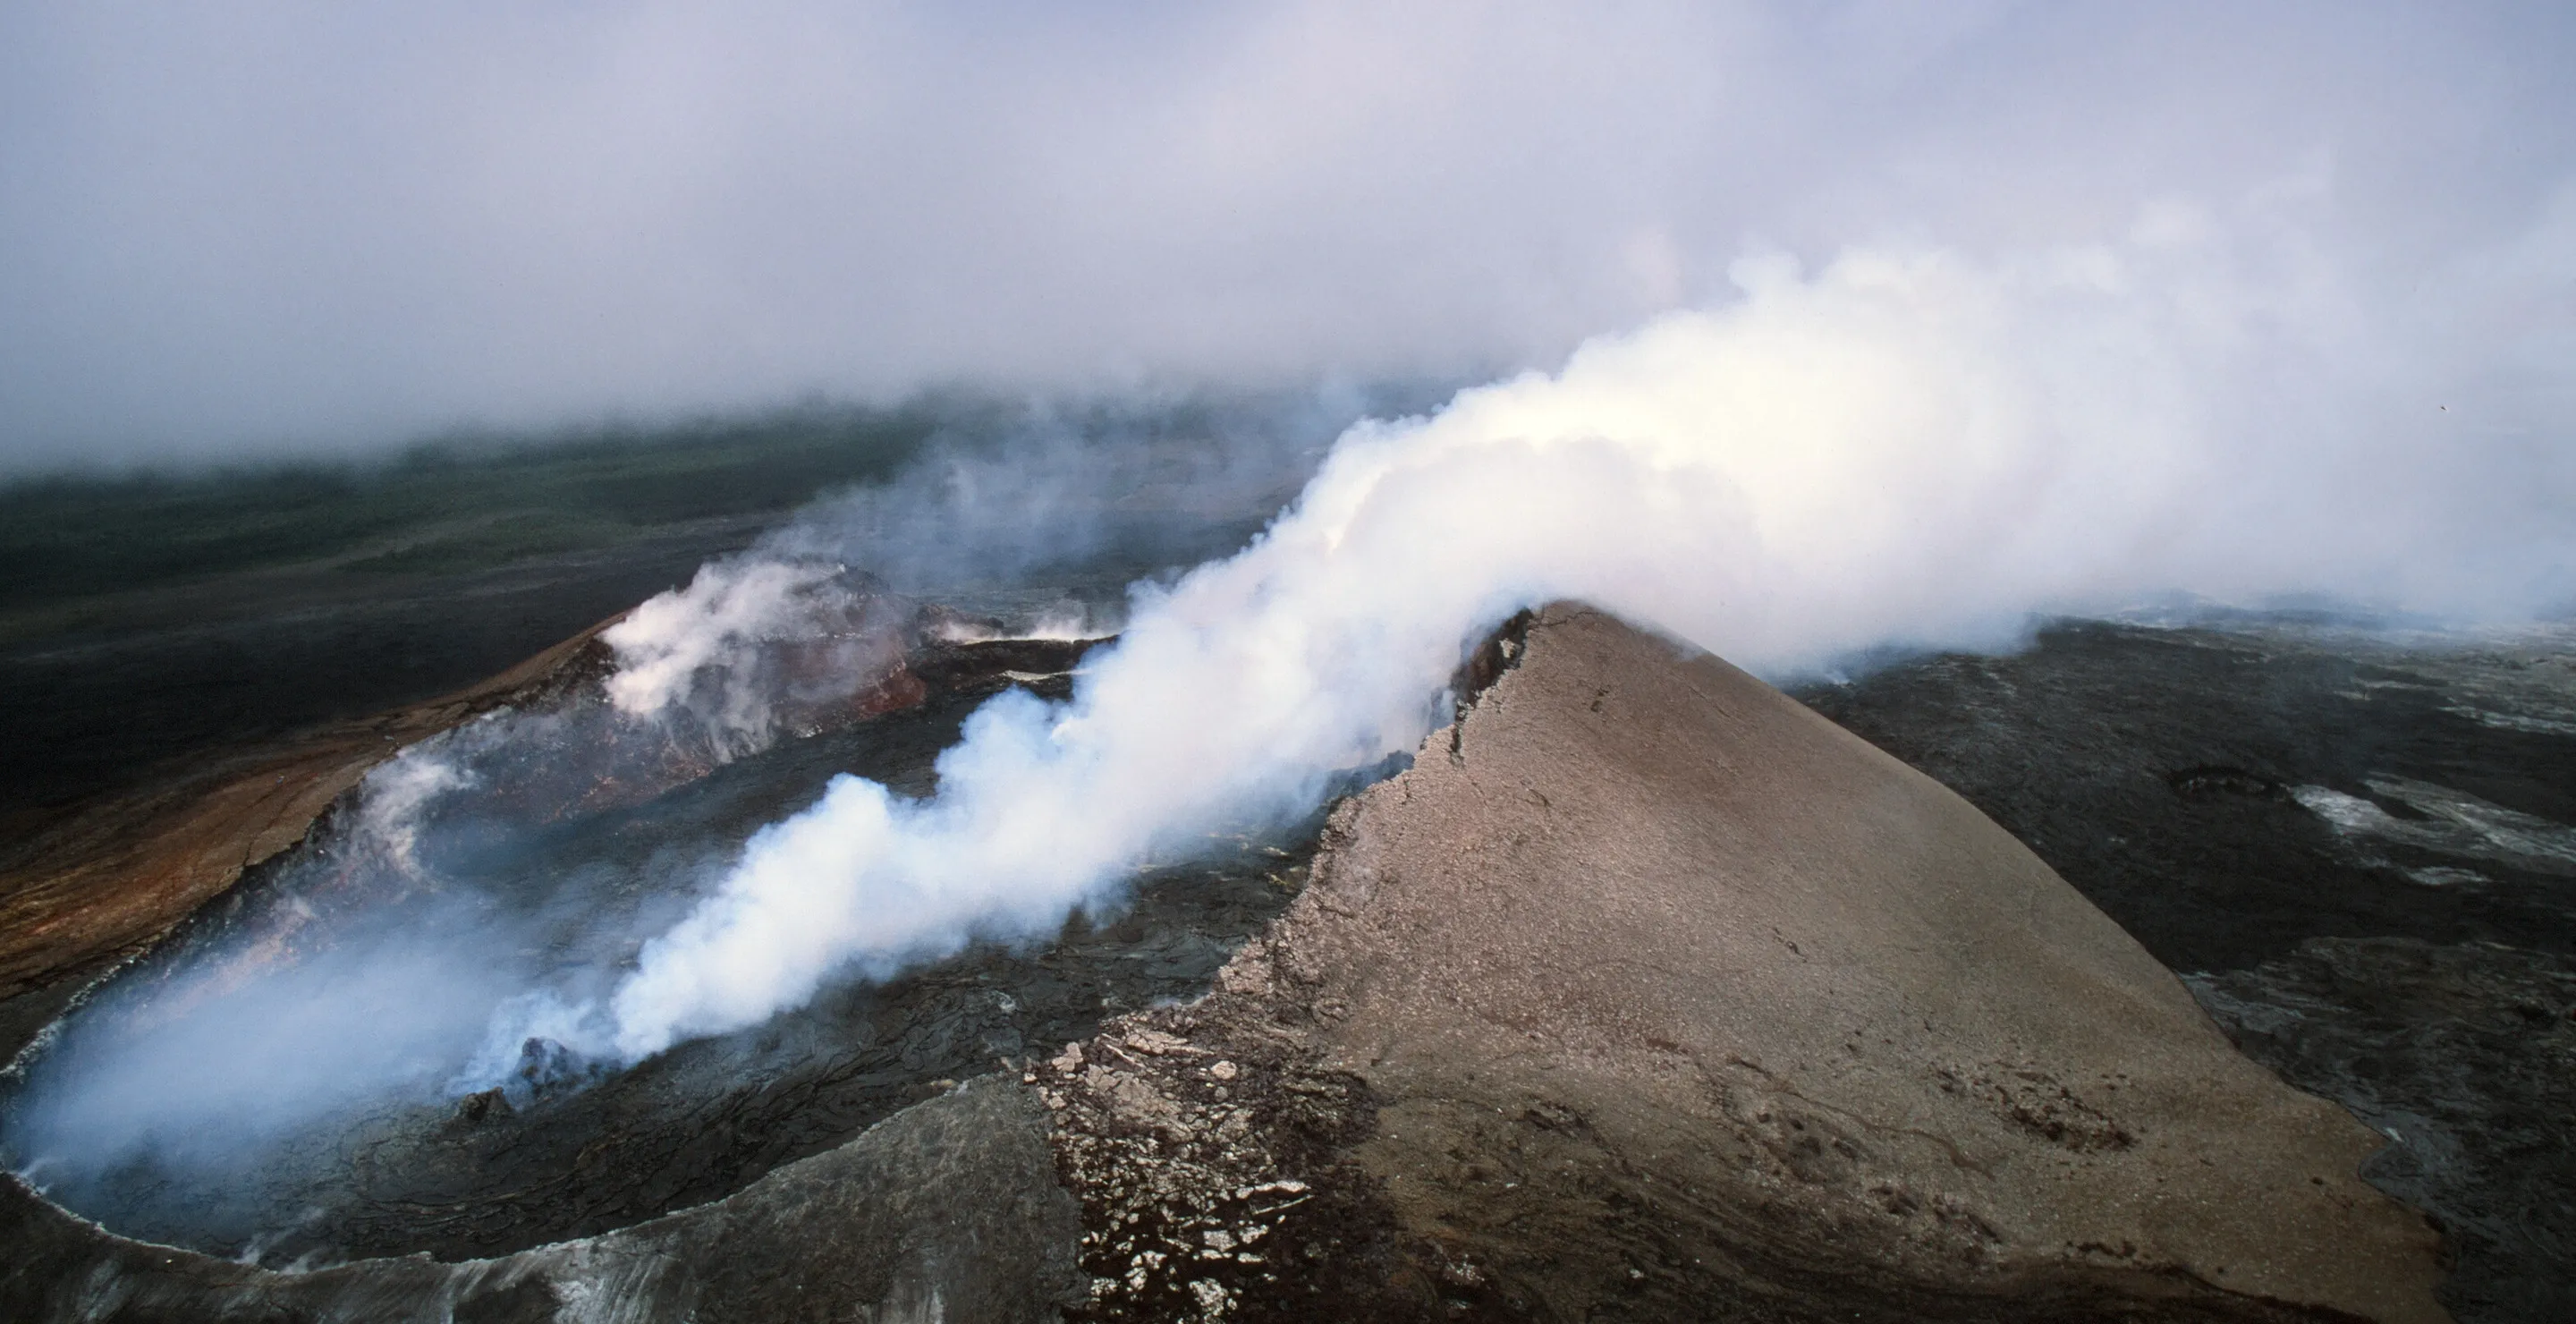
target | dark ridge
x=943, y=665
x=1501, y=651
x=566, y=1149
x=2209, y=779
x=461, y=504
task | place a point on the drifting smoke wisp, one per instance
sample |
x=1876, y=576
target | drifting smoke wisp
x=232, y=1045
x=436, y=907
x=1910, y=446
x=687, y=649
x=476, y=892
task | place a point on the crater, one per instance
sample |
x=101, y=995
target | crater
x=561, y=1147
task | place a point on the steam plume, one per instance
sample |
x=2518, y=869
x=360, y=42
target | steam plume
x=420, y=939
x=1911, y=445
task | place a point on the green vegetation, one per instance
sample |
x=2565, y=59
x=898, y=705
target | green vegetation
x=441, y=508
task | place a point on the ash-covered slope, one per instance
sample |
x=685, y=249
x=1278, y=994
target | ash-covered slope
x=1649, y=994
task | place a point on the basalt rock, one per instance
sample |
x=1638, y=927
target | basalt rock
x=2354, y=847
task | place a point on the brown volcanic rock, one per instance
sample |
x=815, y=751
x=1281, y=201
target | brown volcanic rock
x=1653, y=995
x=115, y=875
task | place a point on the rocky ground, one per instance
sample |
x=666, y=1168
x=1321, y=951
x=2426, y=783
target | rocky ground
x=2356, y=848
x=1594, y=1015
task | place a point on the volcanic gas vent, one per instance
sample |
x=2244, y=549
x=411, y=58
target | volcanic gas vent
x=310, y=1069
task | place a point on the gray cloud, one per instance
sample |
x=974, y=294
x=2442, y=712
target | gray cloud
x=261, y=226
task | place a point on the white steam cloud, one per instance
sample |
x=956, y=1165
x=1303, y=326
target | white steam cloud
x=691, y=648
x=417, y=942
x=2062, y=385
x=1910, y=445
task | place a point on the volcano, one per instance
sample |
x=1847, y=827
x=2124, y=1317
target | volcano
x=560, y=1147
x=1644, y=993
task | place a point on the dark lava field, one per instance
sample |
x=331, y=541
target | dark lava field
x=2354, y=845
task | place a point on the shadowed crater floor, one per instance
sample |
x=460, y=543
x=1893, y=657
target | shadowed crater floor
x=562, y=1152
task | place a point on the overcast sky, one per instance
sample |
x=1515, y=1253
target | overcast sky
x=234, y=229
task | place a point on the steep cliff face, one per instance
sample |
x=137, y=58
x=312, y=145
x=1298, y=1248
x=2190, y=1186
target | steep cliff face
x=1653, y=995
x=1645, y=994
